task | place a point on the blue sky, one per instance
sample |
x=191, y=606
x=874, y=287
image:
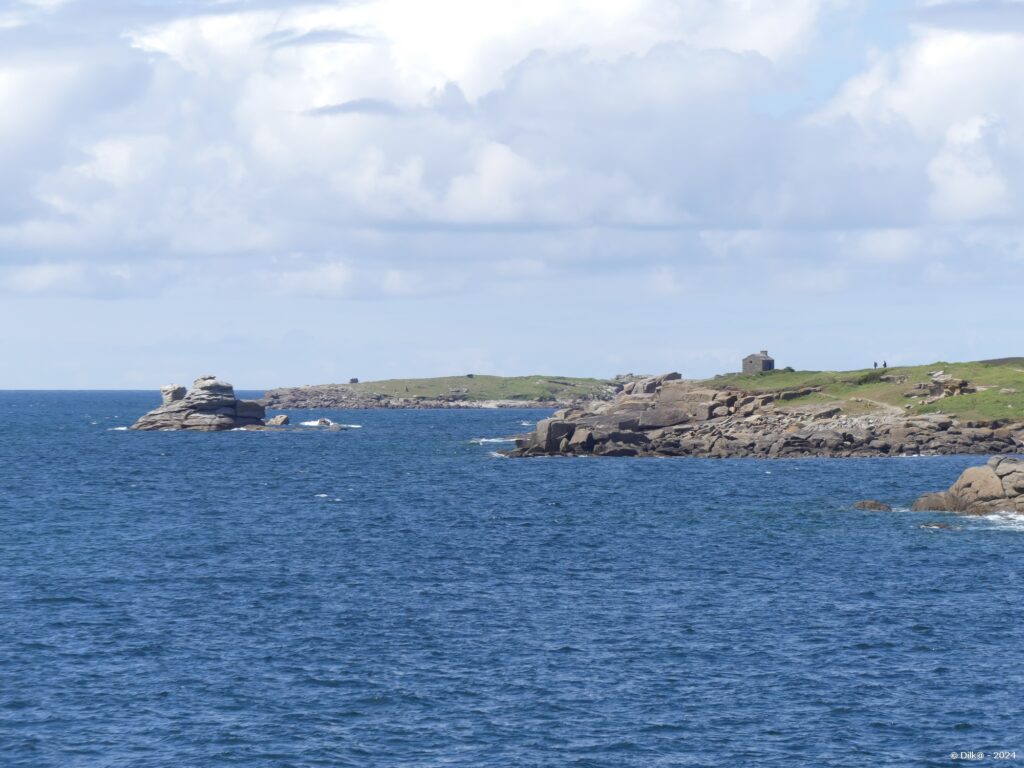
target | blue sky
x=285, y=193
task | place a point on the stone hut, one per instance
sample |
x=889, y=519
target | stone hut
x=758, y=363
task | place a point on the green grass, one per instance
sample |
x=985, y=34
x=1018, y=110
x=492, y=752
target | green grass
x=990, y=405
x=844, y=386
x=860, y=391
x=480, y=387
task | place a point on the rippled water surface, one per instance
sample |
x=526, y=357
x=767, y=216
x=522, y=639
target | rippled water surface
x=397, y=595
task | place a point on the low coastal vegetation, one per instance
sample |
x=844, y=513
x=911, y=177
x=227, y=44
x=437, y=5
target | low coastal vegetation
x=468, y=391
x=475, y=387
x=988, y=390
x=994, y=389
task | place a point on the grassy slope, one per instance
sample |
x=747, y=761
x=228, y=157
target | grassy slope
x=491, y=387
x=842, y=386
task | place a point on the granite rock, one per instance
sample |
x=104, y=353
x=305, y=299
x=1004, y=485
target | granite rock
x=210, y=406
x=667, y=416
x=998, y=486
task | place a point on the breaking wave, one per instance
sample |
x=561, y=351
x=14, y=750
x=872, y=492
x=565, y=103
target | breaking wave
x=1011, y=521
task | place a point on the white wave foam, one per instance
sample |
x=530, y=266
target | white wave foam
x=321, y=496
x=486, y=440
x=496, y=455
x=1012, y=521
x=525, y=423
x=329, y=423
x=118, y=429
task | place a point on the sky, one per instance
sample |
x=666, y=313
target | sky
x=285, y=193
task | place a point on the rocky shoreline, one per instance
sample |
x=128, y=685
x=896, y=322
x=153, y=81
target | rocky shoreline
x=339, y=396
x=666, y=416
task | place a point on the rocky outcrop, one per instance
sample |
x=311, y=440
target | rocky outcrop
x=995, y=487
x=940, y=386
x=667, y=416
x=210, y=406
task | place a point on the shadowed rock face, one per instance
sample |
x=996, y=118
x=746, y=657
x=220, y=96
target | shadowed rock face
x=996, y=487
x=210, y=406
x=667, y=416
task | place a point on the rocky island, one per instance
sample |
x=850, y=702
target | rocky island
x=668, y=416
x=210, y=406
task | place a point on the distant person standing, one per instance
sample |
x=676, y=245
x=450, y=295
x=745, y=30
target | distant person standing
x=885, y=364
x=876, y=365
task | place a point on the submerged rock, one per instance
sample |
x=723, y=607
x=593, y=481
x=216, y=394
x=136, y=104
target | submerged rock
x=872, y=505
x=211, y=406
x=995, y=487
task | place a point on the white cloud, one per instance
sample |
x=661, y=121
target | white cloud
x=498, y=188
x=665, y=282
x=333, y=279
x=76, y=279
x=952, y=94
x=968, y=185
x=941, y=78
x=625, y=152
x=888, y=246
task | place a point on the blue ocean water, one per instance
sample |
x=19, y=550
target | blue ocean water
x=397, y=595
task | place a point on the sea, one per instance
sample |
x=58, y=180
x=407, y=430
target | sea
x=400, y=594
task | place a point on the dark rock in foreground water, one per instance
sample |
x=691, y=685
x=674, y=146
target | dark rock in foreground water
x=873, y=506
x=996, y=487
x=211, y=406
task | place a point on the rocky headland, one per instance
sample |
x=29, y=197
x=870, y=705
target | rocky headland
x=340, y=397
x=210, y=406
x=667, y=416
x=998, y=486
x=451, y=392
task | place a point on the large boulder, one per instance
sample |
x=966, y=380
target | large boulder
x=551, y=431
x=210, y=406
x=996, y=486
